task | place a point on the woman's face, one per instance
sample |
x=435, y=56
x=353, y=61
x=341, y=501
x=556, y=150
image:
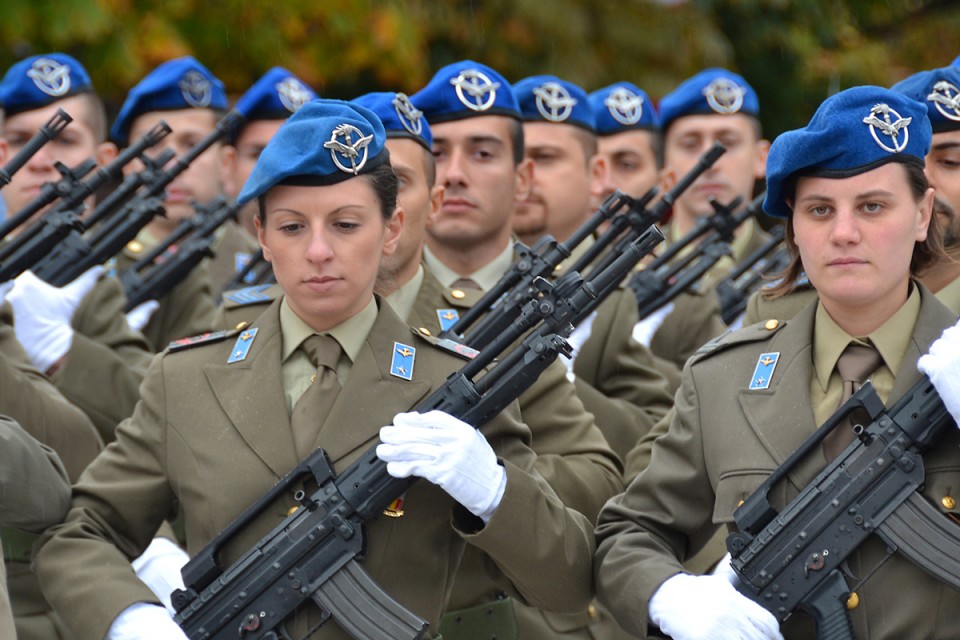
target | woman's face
x=325, y=244
x=856, y=237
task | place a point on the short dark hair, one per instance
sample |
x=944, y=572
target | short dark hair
x=925, y=254
x=516, y=139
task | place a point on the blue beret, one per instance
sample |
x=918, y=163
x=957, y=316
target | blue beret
x=956, y=62
x=623, y=106
x=710, y=91
x=550, y=99
x=854, y=131
x=277, y=94
x=42, y=80
x=399, y=117
x=324, y=142
x=183, y=83
x=940, y=91
x=464, y=90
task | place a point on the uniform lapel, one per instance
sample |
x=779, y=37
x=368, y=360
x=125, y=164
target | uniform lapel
x=371, y=396
x=933, y=318
x=424, y=313
x=250, y=392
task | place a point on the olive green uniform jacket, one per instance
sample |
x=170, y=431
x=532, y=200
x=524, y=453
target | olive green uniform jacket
x=723, y=441
x=215, y=436
x=232, y=243
x=36, y=495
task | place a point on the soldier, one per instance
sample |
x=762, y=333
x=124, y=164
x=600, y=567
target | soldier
x=266, y=105
x=190, y=99
x=852, y=188
x=214, y=430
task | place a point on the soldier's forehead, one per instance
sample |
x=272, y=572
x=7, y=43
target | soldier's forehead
x=493, y=127
x=703, y=124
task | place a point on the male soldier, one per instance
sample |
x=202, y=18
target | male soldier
x=266, y=105
x=184, y=94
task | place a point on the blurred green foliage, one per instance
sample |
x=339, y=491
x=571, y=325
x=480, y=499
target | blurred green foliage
x=795, y=52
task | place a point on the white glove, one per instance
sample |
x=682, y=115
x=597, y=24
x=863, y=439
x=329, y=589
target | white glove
x=579, y=336
x=689, y=607
x=644, y=330
x=724, y=569
x=5, y=289
x=42, y=314
x=942, y=366
x=139, y=316
x=447, y=452
x=159, y=566
x=144, y=621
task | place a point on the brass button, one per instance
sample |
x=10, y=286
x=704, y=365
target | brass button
x=313, y=378
x=424, y=331
x=592, y=611
x=771, y=324
x=948, y=502
x=458, y=294
x=853, y=601
x=740, y=503
x=242, y=325
x=134, y=246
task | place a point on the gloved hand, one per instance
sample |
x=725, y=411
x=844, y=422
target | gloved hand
x=42, y=314
x=724, y=569
x=5, y=289
x=644, y=330
x=580, y=335
x=139, y=316
x=942, y=366
x=447, y=452
x=144, y=621
x=159, y=566
x=689, y=607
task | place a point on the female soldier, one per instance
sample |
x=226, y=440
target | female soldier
x=852, y=186
x=219, y=421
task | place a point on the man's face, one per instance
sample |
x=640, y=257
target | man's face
x=564, y=179
x=75, y=144
x=481, y=182
x=202, y=181
x=733, y=175
x=943, y=172
x=251, y=142
x=631, y=162
x=419, y=200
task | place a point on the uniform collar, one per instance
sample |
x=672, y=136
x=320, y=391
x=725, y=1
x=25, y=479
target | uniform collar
x=950, y=296
x=350, y=333
x=890, y=339
x=403, y=299
x=486, y=276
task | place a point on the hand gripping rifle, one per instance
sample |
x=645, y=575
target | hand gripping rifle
x=313, y=554
x=121, y=219
x=150, y=278
x=47, y=132
x=734, y=290
x=37, y=241
x=792, y=559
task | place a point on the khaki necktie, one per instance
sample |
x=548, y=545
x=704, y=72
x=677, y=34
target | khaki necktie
x=312, y=408
x=854, y=365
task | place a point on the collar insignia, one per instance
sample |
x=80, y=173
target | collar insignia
x=724, y=95
x=353, y=153
x=764, y=371
x=879, y=118
x=945, y=97
x=196, y=89
x=554, y=102
x=447, y=318
x=401, y=366
x=293, y=94
x=50, y=76
x=624, y=106
x=410, y=117
x=475, y=90
x=242, y=346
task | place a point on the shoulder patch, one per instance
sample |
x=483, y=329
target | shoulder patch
x=753, y=333
x=249, y=295
x=445, y=344
x=209, y=337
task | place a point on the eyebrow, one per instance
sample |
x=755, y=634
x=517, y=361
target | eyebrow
x=876, y=193
x=475, y=139
x=944, y=146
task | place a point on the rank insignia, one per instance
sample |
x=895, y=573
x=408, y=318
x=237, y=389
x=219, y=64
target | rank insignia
x=764, y=371
x=196, y=341
x=447, y=318
x=249, y=295
x=242, y=346
x=401, y=365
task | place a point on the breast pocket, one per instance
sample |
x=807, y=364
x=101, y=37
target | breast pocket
x=735, y=486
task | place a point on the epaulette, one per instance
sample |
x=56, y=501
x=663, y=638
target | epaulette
x=249, y=295
x=446, y=344
x=209, y=337
x=753, y=333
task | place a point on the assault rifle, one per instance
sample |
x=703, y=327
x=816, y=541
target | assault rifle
x=680, y=267
x=312, y=555
x=121, y=218
x=151, y=277
x=746, y=277
x=792, y=559
x=37, y=241
x=47, y=132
